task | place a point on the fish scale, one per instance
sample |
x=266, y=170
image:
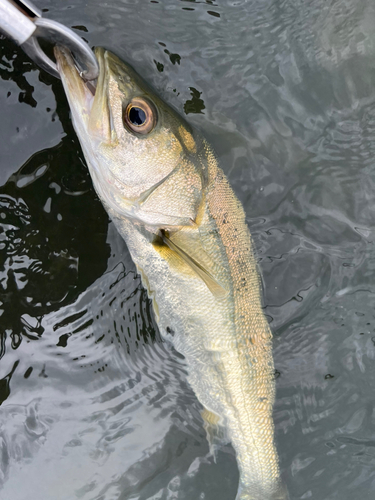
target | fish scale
x=192, y=247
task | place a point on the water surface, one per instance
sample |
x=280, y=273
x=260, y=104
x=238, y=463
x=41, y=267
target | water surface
x=93, y=405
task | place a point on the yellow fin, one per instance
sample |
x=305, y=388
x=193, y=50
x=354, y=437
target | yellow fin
x=209, y=417
x=213, y=285
x=215, y=432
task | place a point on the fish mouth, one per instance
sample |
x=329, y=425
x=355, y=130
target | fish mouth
x=92, y=119
x=88, y=100
x=79, y=93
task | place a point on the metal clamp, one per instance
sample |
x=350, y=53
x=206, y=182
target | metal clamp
x=23, y=22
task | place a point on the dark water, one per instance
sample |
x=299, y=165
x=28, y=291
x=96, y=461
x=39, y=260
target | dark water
x=93, y=405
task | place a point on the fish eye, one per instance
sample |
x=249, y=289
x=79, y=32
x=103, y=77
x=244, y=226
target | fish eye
x=139, y=116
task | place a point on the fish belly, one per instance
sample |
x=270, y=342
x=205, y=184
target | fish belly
x=226, y=342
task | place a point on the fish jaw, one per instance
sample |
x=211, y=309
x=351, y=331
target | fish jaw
x=79, y=96
x=91, y=120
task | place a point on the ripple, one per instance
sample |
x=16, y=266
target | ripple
x=97, y=407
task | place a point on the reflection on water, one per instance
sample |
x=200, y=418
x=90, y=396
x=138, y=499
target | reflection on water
x=93, y=405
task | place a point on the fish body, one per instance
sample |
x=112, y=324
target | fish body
x=185, y=229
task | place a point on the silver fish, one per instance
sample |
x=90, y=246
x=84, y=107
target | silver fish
x=162, y=186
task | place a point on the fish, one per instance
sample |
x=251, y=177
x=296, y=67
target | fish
x=161, y=184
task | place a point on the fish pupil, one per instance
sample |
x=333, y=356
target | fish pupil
x=137, y=116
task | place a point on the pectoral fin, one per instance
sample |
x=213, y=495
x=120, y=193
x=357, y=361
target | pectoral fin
x=216, y=434
x=213, y=285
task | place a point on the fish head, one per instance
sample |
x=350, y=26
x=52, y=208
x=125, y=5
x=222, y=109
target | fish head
x=145, y=160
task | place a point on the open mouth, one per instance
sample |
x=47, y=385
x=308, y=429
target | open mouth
x=91, y=113
x=65, y=60
x=91, y=86
x=88, y=100
x=80, y=93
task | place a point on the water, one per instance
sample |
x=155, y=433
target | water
x=94, y=405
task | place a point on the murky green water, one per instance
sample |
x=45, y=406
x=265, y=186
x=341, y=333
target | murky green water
x=94, y=406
